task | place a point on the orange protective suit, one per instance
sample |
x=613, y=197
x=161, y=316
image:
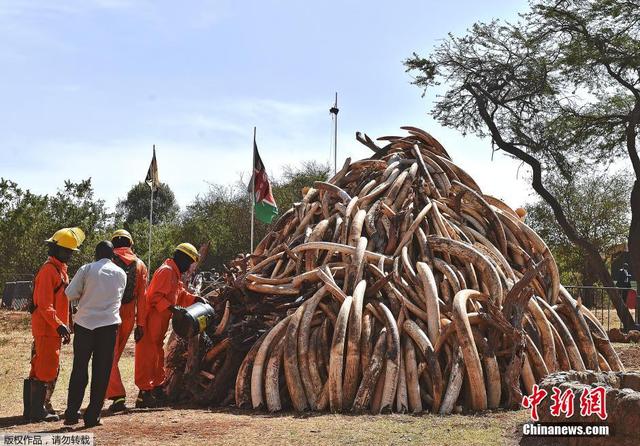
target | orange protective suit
x=52, y=310
x=131, y=313
x=166, y=289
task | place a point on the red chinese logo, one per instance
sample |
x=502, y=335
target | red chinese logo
x=592, y=401
x=532, y=401
x=562, y=403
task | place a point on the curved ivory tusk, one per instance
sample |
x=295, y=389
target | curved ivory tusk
x=343, y=249
x=332, y=189
x=469, y=350
x=473, y=256
x=392, y=360
x=336, y=359
x=546, y=335
x=272, y=377
x=430, y=293
x=225, y=319
x=371, y=375
x=456, y=378
x=411, y=370
x=352, y=362
x=309, y=380
x=435, y=374
x=273, y=289
x=291, y=363
x=257, y=399
x=243, y=379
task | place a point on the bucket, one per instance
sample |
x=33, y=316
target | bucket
x=192, y=320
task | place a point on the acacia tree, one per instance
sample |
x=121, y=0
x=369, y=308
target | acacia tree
x=558, y=89
x=138, y=204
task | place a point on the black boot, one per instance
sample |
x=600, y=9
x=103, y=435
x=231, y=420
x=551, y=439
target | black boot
x=38, y=411
x=145, y=400
x=26, y=399
x=49, y=388
x=159, y=395
x=71, y=418
x=118, y=405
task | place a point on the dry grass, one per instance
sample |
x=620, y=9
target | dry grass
x=15, y=351
x=231, y=426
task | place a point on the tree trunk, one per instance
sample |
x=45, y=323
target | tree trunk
x=620, y=305
x=634, y=227
x=589, y=278
x=634, y=237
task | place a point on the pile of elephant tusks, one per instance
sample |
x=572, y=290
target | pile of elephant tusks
x=396, y=285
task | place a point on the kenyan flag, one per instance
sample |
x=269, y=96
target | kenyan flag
x=265, y=205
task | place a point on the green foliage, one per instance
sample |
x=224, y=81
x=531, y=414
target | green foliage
x=288, y=189
x=28, y=219
x=137, y=204
x=22, y=234
x=597, y=204
x=222, y=217
x=165, y=237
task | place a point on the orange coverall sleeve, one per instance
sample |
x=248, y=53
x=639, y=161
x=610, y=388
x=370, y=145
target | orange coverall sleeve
x=141, y=293
x=160, y=289
x=46, y=281
x=185, y=298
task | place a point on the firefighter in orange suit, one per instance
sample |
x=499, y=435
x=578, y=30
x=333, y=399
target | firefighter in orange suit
x=165, y=294
x=49, y=324
x=132, y=311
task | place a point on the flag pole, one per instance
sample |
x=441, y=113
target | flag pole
x=253, y=185
x=151, y=217
x=334, y=111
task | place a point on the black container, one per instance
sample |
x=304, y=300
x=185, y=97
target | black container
x=192, y=320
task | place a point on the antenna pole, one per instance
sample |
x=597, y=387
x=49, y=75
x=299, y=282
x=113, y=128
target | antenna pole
x=334, y=112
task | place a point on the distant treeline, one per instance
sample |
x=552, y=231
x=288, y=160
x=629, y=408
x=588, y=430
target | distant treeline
x=221, y=217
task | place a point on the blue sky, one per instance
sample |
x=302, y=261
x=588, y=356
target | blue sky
x=88, y=86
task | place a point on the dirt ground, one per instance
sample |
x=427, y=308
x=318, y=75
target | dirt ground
x=609, y=318
x=178, y=426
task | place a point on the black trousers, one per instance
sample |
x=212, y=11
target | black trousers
x=98, y=343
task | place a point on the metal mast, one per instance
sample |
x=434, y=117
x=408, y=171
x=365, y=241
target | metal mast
x=334, y=116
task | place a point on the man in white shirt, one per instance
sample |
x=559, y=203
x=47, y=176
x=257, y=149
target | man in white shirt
x=98, y=288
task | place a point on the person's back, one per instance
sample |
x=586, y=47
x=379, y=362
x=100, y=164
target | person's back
x=133, y=311
x=100, y=297
x=623, y=278
x=98, y=287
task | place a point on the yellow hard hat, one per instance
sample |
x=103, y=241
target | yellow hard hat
x=122, y=233
x=189, y=250
x=70, y=238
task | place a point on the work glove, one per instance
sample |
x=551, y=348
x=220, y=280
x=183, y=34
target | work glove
x=138, y=333
x=64, y=333
x=175, y=308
